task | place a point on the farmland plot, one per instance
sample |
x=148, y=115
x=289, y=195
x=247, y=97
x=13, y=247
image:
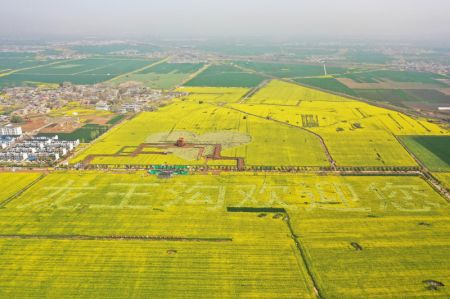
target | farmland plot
x=263, y=142
x=164, y=75
x=111, y=227
x=12, y=183
x=285, y=70
x=82, y=71
x=433, y=151
x=143, y=243
x=356, y=133
x=284, y=93
x=225, y=76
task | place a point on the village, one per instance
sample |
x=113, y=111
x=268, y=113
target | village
x=24, y=109
x=129, y=97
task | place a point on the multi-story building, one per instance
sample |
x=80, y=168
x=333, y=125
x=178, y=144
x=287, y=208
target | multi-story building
x=10, y=130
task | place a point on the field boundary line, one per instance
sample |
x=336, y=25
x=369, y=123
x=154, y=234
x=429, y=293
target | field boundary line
x=294, y=237
x=301, y=249
x=21, y=191
x=382, y=105
x=321, y=140
x=254, y=91
x=195, y=74
x=101, y=137
x=115, y=238
x=34, y=67
x=425, y=173
x=95, y=68
x=138, y=70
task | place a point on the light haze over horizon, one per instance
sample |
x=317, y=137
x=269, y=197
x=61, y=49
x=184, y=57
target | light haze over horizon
x=343, y=19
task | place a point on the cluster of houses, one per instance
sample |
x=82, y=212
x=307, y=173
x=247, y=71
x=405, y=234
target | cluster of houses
x=126, y=98
x=17, y=149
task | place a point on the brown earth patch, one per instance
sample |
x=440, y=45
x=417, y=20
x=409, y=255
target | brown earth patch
x=62, y=125
x=97, y=120
x=445, y=91
x=34, y=124
x=385, y=84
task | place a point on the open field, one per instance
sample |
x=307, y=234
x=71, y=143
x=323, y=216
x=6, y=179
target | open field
x=115, y=48
x=214, y=94
x=329, y=83
x=10, y=61
x=285, y=70
x=284, y=93
x=11, y=183
x=186, y=118
x=225, y=76
x=85, y=134
x=356, y=133
x=444, y=178
x=396, y=76
x=75, y=109
x=164, y=75
x=371, y=57
x=406, y=98
x=82, y=71
x=136, y=234
x=433, y=151
x=405, y=95
x=206, y=252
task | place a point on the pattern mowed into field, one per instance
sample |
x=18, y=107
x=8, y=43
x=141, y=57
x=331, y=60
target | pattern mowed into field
x=256, y=258
x=81, y=71
x=433, y=151
x=225, y=76
x=400, y=224
x=355, y=133
x=267, y=139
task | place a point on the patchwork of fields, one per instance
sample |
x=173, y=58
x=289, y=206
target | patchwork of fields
x=406, y=89
x=185, y=239
x=10, y=61
x=164, y=75
x=433, y=151
x=185, y=118
x=356, y=134
x=81, y=71
x=292, y=192
x=225, y=76
x=305, y=125
x=291, y=70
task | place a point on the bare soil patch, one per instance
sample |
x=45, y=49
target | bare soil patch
x=386, y=84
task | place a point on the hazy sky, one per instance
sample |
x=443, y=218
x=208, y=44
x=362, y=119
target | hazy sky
x=403, y=19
